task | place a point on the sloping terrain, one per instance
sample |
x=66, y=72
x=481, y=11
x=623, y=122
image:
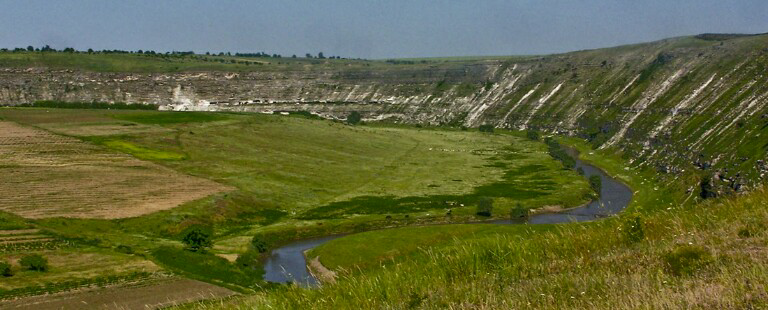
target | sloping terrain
x=675, y=105
x=679, y=120
x=46, y=175
x=662, y=253
x=155, y=294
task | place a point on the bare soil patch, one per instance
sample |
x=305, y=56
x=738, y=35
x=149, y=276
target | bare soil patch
x=18, y=232
x=153, y=295
x=320, y=272
x=46, y=175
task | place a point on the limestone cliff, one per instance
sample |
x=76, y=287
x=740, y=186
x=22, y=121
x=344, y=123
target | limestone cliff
x=677, y=105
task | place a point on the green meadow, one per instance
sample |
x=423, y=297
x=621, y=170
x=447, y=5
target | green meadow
x=292, y=177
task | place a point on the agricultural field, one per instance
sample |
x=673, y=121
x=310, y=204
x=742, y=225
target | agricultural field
x=47, y=175
x=363, y=171
x=148, y=293
x=126, y=184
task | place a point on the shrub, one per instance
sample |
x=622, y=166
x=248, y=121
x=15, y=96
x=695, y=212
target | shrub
x=249, y=259
x=707, y=190
x=354, y=118
x=580, y=171
x=745, y=232
x=486, y=128
x=633, y=228
x=259, y=245
x=124, y=249
x=557, y=152
x=484, y=206
x=197, y=238
x=532, y=135
x=34, y=262
x=5, y=269
x=518, y=212
x=687, y=259
x=207, y=266
x=596, y=183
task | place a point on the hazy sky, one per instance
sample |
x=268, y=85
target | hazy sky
x=369, y=29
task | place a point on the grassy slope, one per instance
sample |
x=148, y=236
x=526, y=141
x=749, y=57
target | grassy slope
x=369, y=250
x=587, y=265
x=283, y=166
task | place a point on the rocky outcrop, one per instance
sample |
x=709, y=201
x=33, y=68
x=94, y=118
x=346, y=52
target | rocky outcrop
x=678, y=105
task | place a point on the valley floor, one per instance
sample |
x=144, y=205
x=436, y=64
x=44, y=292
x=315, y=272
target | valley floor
x=290, y=177
x=666, y=252
x=280, y=178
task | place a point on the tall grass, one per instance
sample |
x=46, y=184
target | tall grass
x=573, y=266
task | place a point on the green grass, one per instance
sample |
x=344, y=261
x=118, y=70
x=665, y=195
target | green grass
x=296, y=177
x=368, y=250
x=9, y=221
x=80, y=264
x=302, y=164
x=573, y=266
x=164, y=118
x=208, y=267
x=142, y=152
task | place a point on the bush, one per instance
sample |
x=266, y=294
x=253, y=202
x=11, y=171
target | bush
x=197, y=238
x=707, y=190
x=532, y=135
x=633, y=228
x=484, y=206
x=354, y=118
x=34, y=262
x=5, y=269
x=207, y=266
x=124, y=249
x=580, y=171
x=518, y=212
x=259, y=245
x=596, y=183
x=486, y=128
x=687, y=259
x=249, y=259
x=558, y=152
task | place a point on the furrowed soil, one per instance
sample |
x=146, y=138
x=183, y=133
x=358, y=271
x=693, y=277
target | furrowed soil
x=45, y=175
x=163, y=293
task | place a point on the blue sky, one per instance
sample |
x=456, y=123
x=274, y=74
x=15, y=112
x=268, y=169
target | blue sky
x=369, y=29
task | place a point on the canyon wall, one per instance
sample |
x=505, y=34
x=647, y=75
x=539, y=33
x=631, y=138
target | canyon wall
x=678, y=105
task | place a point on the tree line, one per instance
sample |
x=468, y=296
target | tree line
x=48, y=48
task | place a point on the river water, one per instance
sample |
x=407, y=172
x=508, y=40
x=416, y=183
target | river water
x=288, y=264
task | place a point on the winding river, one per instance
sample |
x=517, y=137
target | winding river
x=288, y=264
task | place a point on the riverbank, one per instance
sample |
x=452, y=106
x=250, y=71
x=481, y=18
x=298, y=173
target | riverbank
x=371, y=249
x=602, y=264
